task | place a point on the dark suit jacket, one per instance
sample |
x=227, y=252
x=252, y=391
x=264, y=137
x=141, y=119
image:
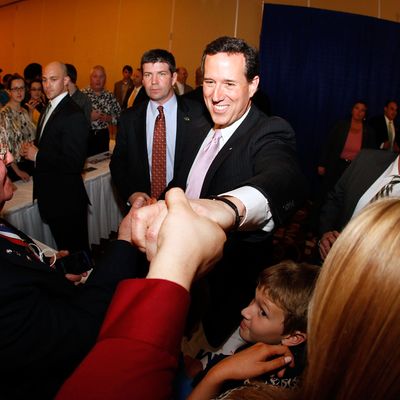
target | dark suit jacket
x=47, y=324
x=118, y=91
x=359, y=176
x=378, y=123
x=129, y=163
x=139, y=99
x=133, y=359
x=58, y=183
x=261, y=153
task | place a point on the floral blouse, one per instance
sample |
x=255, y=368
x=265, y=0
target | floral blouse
x=18, y=128
x=106, y=103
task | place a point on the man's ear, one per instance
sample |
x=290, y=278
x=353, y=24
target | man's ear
x=294, y=339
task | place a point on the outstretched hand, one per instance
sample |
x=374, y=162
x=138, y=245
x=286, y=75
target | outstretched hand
x=184, y=244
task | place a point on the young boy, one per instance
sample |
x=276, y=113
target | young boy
x=277, y=315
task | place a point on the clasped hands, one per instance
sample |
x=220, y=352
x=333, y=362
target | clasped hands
x=187, y=235
x=28, y=150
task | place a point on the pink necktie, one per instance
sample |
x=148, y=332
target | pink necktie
x=201, y=165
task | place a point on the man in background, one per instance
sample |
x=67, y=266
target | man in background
x=124, y=86
x=180, y=86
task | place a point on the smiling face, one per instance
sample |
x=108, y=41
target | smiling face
x=262, y=321
x=158, y=81
x=226, y=90
x=358, y=112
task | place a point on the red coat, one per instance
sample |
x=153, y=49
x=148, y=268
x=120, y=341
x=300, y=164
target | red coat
x=136, y=353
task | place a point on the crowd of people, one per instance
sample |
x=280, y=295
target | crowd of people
x=205, y=181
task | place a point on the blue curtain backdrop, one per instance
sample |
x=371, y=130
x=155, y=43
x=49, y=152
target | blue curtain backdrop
x=316, y=63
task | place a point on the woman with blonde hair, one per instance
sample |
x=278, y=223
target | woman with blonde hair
x=354, y=323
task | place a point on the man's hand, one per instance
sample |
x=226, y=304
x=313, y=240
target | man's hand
x=139, y=199
x=186, y=244
x=29, y=151
x=71, y=277
x=326, y=242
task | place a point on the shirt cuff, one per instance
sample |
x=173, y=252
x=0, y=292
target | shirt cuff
x=258, y=213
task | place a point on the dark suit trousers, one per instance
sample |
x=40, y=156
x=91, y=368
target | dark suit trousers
x=70, y=232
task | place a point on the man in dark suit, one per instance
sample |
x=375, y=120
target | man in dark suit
x=367, y=174
x=387, y=137
x=131, y=164
x=48, y=324
x=62, y=138
x=124, y=87
x=255, y=177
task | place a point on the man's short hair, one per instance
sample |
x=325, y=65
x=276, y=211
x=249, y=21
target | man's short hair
x=128, y=68
x=32, y=71
x=391, y=101
x=231, y=45
x=72, y=72
x=290, y=286
x=159, y=55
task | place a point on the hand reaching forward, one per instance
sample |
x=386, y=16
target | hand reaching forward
x=186, y=243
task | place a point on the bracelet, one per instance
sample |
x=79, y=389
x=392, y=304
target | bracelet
x=232, y=205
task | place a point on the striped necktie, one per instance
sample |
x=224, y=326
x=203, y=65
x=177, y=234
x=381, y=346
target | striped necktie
x=387, y=189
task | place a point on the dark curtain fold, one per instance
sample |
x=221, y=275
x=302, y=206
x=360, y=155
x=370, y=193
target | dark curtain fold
x=316, y=63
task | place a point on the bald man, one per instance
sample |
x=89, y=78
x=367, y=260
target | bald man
x=59, y=155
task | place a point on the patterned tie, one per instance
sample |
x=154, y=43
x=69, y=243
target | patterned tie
x=159, y=156
x=386, y=189
x=201, y=165
x=391, y=134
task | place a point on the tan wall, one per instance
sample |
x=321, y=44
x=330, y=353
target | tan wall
x=117, y=32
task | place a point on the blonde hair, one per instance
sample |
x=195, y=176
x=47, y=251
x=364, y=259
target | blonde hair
x=354, y=324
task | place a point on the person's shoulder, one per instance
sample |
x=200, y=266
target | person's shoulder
x=138, y=111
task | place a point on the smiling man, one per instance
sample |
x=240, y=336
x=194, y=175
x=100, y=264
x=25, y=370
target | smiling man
x=247, y=162
x=152, y=135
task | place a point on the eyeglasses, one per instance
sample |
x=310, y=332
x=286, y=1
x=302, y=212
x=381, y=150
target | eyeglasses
x=18, y=89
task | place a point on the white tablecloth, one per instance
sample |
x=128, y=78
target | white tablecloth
x=104, y=215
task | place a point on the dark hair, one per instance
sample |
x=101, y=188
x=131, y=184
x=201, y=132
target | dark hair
x=13, y=77
x=290, y=286
x=35, y=81
x=33, y=71
x=72, y=72
x=128, y=68
x=159, y=55
x=359, y=101
x=391, y=101
x=6, y=77
x=231, y=45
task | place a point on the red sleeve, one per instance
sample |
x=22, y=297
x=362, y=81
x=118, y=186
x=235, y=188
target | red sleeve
x=137, y=350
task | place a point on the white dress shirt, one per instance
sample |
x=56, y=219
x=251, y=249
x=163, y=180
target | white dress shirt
x=258, y=213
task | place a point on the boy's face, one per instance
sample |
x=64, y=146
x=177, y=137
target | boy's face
x=263, y=320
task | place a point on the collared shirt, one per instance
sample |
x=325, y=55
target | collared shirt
x=258, y=213
x=170, y=113
x=385, y=178
x=54, y=103
x=106, y=103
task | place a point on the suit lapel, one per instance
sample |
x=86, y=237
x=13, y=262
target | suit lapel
x=242, y=130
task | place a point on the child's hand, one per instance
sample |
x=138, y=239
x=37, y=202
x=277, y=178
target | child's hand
x=257, y=360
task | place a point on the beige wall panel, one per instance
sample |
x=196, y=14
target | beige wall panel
x=7, y=18
x=249, y=21
x=196, y=23
x=141, y=26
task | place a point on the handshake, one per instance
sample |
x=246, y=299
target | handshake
x=181, y=238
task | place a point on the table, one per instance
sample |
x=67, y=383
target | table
x=104, y=214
